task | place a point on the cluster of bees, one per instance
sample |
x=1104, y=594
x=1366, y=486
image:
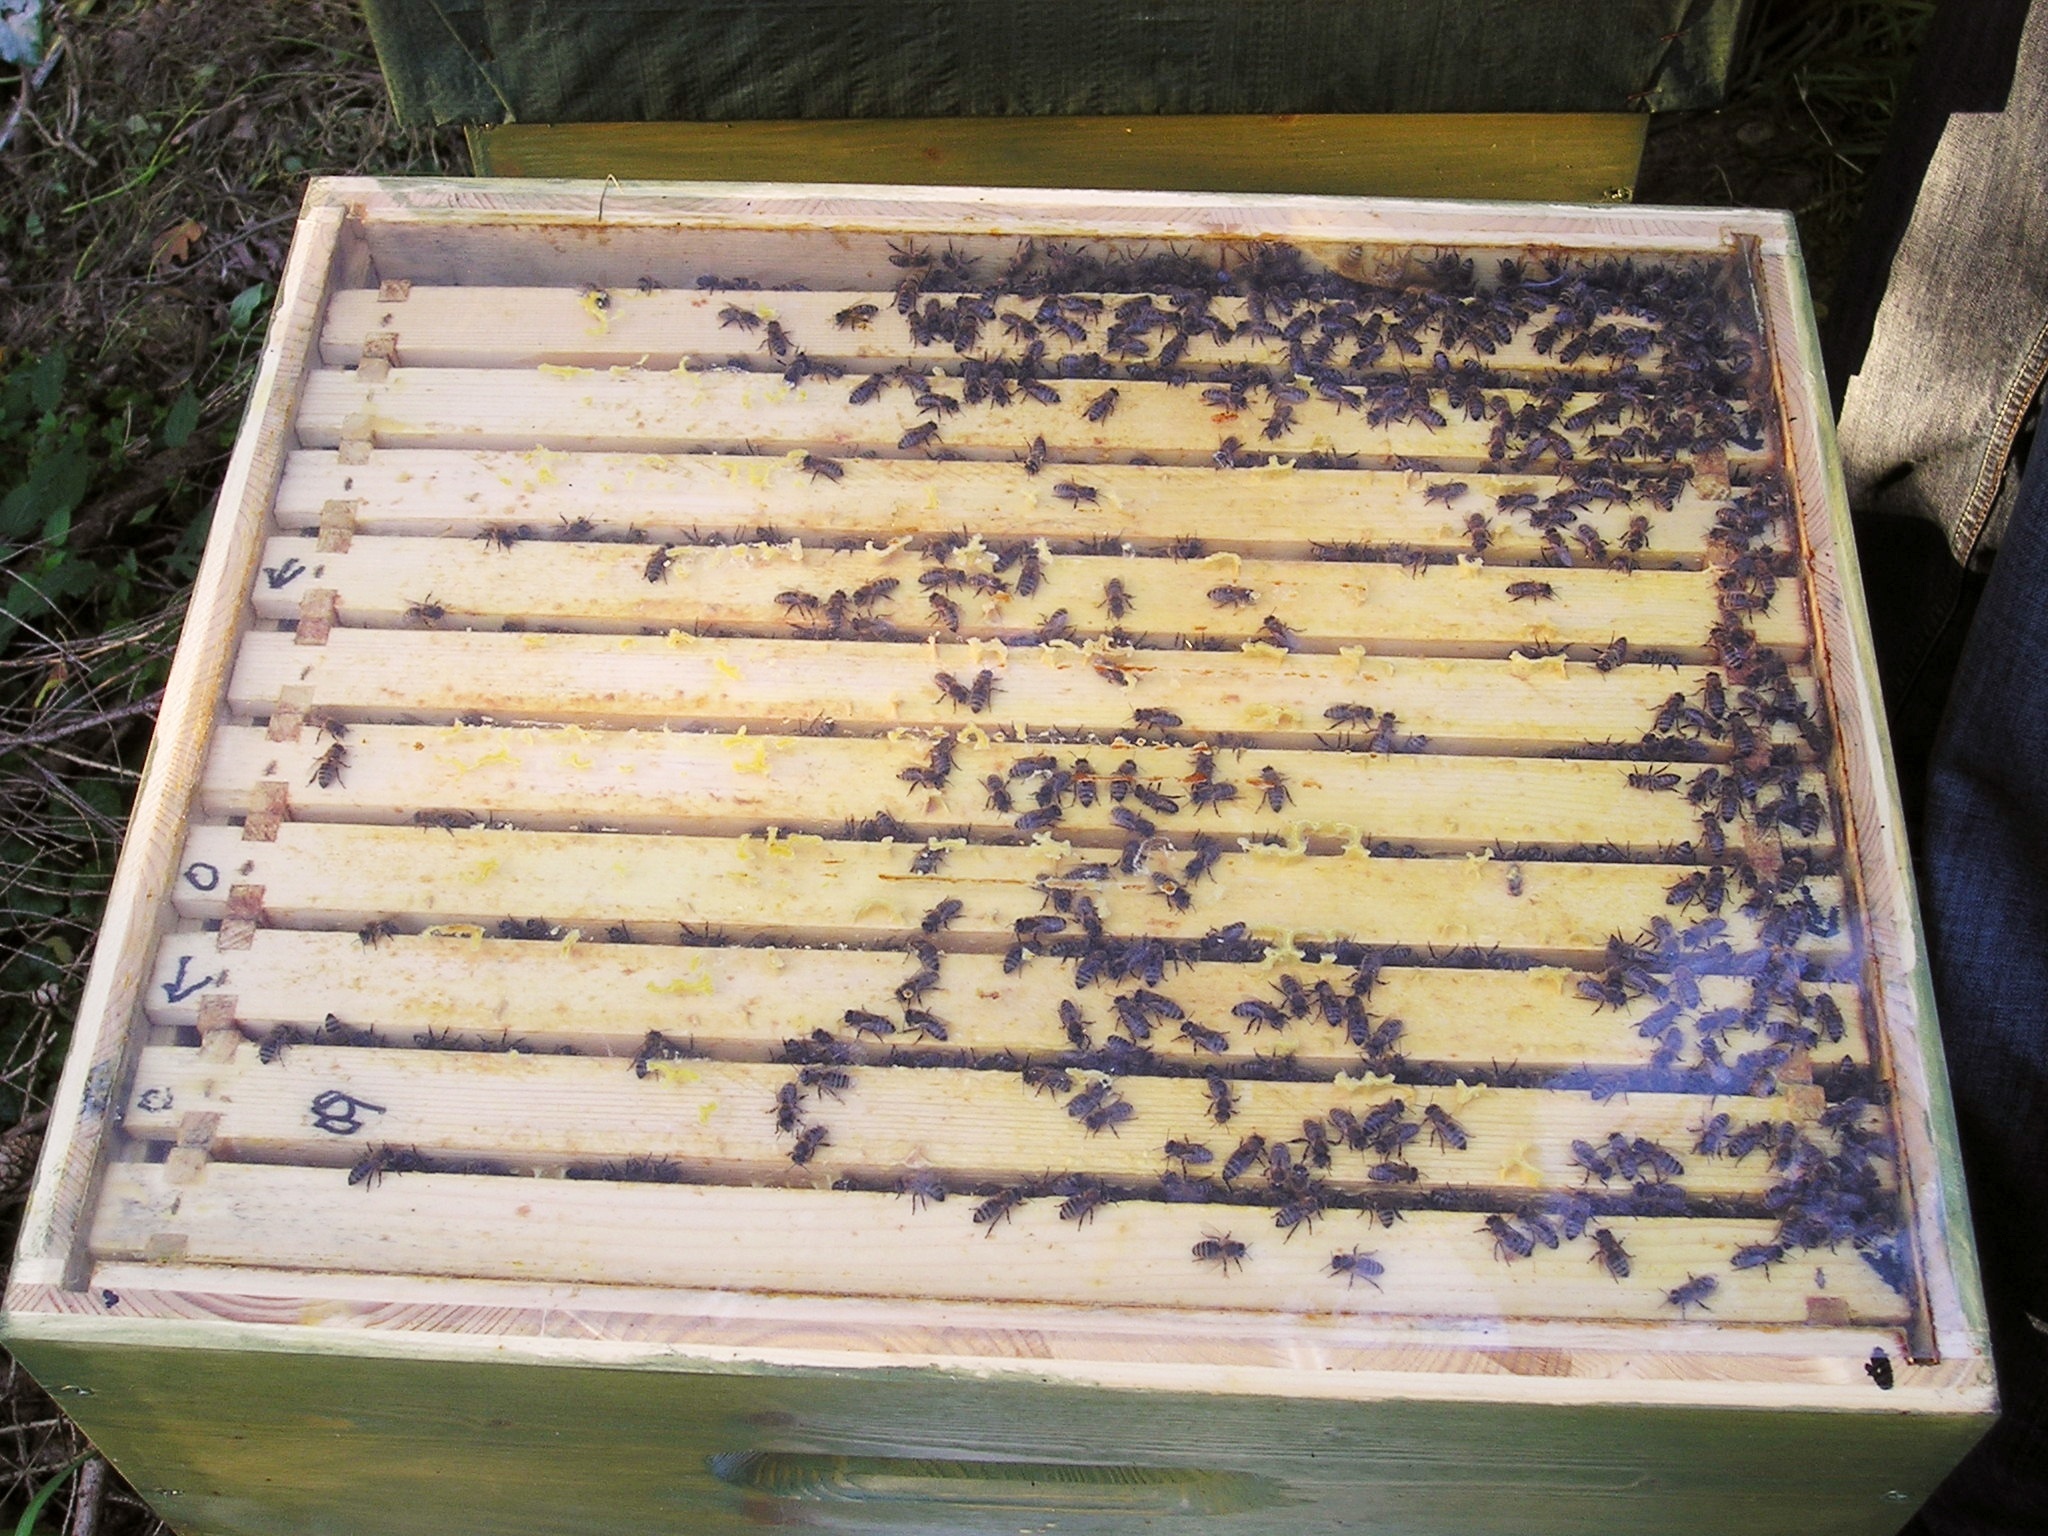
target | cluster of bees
x=1739, y=748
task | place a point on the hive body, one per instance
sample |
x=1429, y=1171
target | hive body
x=892, y=859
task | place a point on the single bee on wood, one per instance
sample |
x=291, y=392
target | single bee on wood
x=1356, y=1266
x=732, y=317
x=922, y=435
x=1222, y=1250
x=1693, y=1293
x=855, y=317
x=997, y=1209
x=818, y=467
x=789, y=1108
x=276, y=1043
x=327, y=769
x=1653, y=779
x=450, y=822
x=1478, y=533
x=1531, y=592
x=1509, y=1242
x=945, y=610
x=1077, y=493
x=499, y=537
x=1444, y=493
x=923, y=1187
x=1115, y=599
x=1103, y=406
x=867, y=1023
x=658, y=564
x=981, y=691
x=808, y=1143
x=951, y=689
x=374, y=933
x=1232, y=597
x=1272, y=784
x=1443, y=1130
x=1222, y=1098
x=426, y=612
x=926, y=1025
x=371, y=1169
x=1610, y=1254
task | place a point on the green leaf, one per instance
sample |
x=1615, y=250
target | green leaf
x=243, y=306
x=183, y=417
x=27, y=1524
x=46, y=379
x=54, y=488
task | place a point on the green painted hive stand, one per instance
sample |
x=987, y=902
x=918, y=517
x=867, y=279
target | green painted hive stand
x=902, y=859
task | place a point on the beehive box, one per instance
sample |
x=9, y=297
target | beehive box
x=1038, y=861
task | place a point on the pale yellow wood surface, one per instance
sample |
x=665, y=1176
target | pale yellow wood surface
x=316, y=875
x=1462, y=609
x=564, y=778
x=715, y=1120
x=441, y=492
x=675, y=679
x=643, y=410
x=744, y=1004
x=1438, y=1264
x=526, y=327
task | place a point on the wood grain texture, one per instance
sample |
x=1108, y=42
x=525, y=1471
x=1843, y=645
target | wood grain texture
x=745, y=1004
x=876, y=1245
x=676, y=679
x=836, y=891
x=1569, y=157
x=548, y=1442
x=563, y=778
x=103, y=1041
x=471, y=327
x=664, y=498
x=1464, y=609
x=630, y=410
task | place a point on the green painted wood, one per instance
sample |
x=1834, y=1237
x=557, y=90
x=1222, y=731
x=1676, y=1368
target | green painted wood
x=243, y=1442
x=1557, y=157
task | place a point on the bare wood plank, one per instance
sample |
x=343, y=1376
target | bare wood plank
x=637, y=410
x=1134, y=1254
x=564, y=777
x=525, y=327
x=50, y=1247
x=671, y=497
x=716, y=1121
x=847, y=891
x=1467, y=609
x=449, y=230
x=618, y=681
x=743, y=1004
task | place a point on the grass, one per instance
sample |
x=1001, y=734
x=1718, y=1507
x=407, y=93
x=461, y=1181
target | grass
x=148, y=184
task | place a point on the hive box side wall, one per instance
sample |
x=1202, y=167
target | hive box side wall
x=233, y=1442
x=1938, y=1206
x=107, y=1032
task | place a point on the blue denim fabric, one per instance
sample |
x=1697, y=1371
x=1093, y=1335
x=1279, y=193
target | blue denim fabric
x=1984, y=872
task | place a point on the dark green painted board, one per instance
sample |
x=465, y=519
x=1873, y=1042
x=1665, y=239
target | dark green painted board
x=581, y=61
x=236, y=1442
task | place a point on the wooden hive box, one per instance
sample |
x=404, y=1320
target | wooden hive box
x=1027, y=861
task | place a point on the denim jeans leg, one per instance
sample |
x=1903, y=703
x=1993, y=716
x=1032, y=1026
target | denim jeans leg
x=1984, y=868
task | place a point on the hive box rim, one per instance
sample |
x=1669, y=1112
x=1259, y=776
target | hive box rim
x=344, y=204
